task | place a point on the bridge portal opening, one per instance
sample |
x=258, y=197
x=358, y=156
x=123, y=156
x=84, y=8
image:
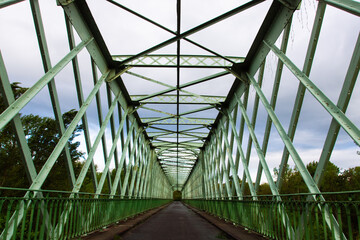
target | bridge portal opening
x=177, y=195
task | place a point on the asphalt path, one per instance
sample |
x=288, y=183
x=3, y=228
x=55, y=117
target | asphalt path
x=175, y=222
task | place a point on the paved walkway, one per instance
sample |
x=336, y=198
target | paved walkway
x=176, y=222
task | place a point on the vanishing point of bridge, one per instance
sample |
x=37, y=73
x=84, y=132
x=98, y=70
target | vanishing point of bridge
x=205, y=113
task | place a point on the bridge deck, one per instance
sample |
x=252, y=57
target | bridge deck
x=175, y=222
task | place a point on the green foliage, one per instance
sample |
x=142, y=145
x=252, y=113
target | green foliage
x=334, y=180
x=351, y=179
x=264, y=189
x=42, y=135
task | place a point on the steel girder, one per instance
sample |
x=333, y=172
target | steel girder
x=150, y=154
x=186, y=61
x=213, y=184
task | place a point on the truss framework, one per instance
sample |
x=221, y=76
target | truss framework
x=156, y=154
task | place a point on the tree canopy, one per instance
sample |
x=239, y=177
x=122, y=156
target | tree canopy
x=42, y=135
x=334, y=180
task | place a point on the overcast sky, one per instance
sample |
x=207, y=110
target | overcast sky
x=127, y=34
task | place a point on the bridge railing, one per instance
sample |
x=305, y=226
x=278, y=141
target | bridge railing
x=43, y=217
x=306, y=218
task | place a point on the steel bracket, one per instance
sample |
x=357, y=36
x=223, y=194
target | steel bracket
x=64, y=2
x=218, y=107
x=290, y=5
x=237, y=71
x=120, y=71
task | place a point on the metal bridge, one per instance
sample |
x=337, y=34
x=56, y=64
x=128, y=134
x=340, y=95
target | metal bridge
x=179, y=113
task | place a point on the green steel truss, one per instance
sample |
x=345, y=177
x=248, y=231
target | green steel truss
x=190, y=61
x=172, y=138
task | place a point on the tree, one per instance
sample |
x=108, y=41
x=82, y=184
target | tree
x=351, y=179
x=42, y=135
x=264, y=189
x=331, y=181
x=292, y=181
x=17, y=91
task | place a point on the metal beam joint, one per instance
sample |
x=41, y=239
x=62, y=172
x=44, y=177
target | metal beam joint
x=64, y=2
x=292, y=5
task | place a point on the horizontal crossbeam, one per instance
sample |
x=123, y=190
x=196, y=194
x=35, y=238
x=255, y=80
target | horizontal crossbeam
x=186, y=61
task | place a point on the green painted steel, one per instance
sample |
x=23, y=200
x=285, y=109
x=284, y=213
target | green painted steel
x=173, y=137
x=191, y=61
x=35, y=8
x=335, y=112
x=350, y=6
x=196, y=29
x=86, y=215
x=8, y=98
x=263, y=215
x=20, y=103
x=184, y=99
x=5, y=3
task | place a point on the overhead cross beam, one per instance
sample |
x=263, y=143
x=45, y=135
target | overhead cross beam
x=186, y=61
x=200, y=27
